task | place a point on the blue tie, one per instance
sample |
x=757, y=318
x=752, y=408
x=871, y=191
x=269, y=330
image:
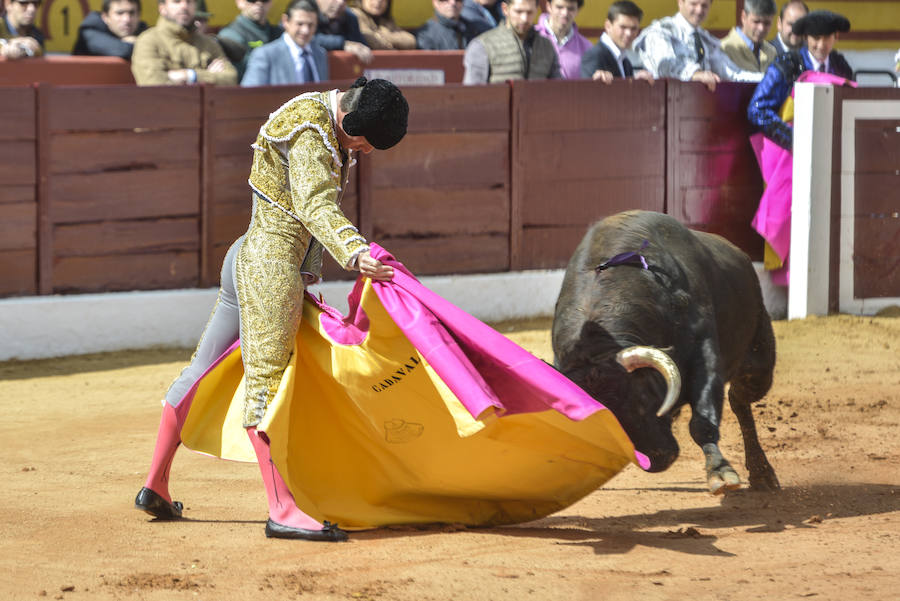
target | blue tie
x=306, y=71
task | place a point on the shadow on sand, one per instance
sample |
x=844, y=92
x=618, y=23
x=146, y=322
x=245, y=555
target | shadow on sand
x=682, y=529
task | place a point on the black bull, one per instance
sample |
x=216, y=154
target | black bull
x=641, y=279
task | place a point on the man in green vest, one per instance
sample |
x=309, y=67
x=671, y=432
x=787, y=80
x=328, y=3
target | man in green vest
x=513, y=50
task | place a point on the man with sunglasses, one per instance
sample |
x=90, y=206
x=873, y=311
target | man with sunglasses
x=250, y=30
x=448, y=29
x=19, y=37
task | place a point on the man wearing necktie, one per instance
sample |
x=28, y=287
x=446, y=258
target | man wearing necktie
x=746, y=45
x=678, y=47
x=607, y=59
x=293, y=58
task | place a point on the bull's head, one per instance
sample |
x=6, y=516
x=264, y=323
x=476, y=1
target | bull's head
x=639, y=398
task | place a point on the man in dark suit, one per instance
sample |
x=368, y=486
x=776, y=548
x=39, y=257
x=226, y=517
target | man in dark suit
x=791, y=12
x=293, y=58
x=606, y=60
x=112, y=31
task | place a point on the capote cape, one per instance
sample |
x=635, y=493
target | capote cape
x=408, y=410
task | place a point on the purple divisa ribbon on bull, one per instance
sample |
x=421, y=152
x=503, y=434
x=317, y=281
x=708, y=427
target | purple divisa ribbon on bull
x=633, y=256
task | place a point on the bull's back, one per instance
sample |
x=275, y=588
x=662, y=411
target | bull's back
x=696, y=275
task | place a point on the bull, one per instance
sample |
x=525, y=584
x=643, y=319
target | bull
x=642, y=290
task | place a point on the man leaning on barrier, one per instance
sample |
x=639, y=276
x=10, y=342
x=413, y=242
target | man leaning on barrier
x=678, y=47
x=514, y=50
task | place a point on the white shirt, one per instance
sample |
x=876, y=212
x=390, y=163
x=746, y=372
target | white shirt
x=296, y=51
x=666, y=47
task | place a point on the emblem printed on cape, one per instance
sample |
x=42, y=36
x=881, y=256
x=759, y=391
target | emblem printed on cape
x=398, y=430
x=397, y=376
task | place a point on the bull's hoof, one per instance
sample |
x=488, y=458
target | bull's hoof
x=723, y=479
x=765, y=481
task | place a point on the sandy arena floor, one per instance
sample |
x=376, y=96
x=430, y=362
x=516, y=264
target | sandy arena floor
x=78, y=433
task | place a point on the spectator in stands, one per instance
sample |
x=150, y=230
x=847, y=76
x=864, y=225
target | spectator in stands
x=111, y=31
x=448, y=29
x=173, y=52
x=746, y=45
x=819, y=29
x=607, y=60
x=339, y=30
x=19, y=37
x=678, y=47
x=514, y=50
x=485, y=14
x=378, y=26
x=293, y=58
x=249, y=30
x=786, y=40
x=558, y=26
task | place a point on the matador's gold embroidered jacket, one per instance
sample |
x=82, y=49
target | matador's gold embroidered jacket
x=298, y=168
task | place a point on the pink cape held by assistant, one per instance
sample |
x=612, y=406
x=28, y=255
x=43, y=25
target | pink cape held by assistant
x=409, y=410
x=773, y=216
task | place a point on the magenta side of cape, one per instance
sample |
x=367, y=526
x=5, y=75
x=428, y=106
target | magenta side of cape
x=459, y=347
x=773, y=217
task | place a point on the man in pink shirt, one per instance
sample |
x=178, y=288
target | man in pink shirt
x=558, y=26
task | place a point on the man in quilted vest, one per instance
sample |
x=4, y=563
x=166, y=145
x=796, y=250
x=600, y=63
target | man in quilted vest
x=301, y=162
x=514, y=50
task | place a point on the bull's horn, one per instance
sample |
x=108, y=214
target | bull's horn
x=633, y=357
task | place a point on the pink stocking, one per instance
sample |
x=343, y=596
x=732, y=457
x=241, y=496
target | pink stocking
x=282, y=508
x=167, y=440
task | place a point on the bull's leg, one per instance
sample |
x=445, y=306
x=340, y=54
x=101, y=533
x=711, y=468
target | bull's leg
x=707, y=394
x=752, y=384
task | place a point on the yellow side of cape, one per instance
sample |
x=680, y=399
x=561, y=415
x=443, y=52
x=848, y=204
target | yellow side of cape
x=360, y=452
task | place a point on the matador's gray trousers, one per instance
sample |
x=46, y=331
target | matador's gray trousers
x=222, y=329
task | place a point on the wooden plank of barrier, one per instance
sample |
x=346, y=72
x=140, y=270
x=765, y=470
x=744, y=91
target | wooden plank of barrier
x=66, y=70
x=90, y=196
x=138, y=271
x=574, y=164
x=18, y=194
x=714, y=182
x=126, y=237
x=132, y=108
x=876, y=240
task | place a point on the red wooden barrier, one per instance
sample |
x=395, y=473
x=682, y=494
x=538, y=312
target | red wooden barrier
x=121, y=188
x=18, y=192
x=66, y=70
x=714, y=183
x=582, y=150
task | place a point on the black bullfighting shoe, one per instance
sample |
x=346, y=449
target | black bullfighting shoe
x=150, y=502
x=329, y=532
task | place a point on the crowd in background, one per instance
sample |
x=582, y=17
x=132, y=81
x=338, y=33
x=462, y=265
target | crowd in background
x=502, y=40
